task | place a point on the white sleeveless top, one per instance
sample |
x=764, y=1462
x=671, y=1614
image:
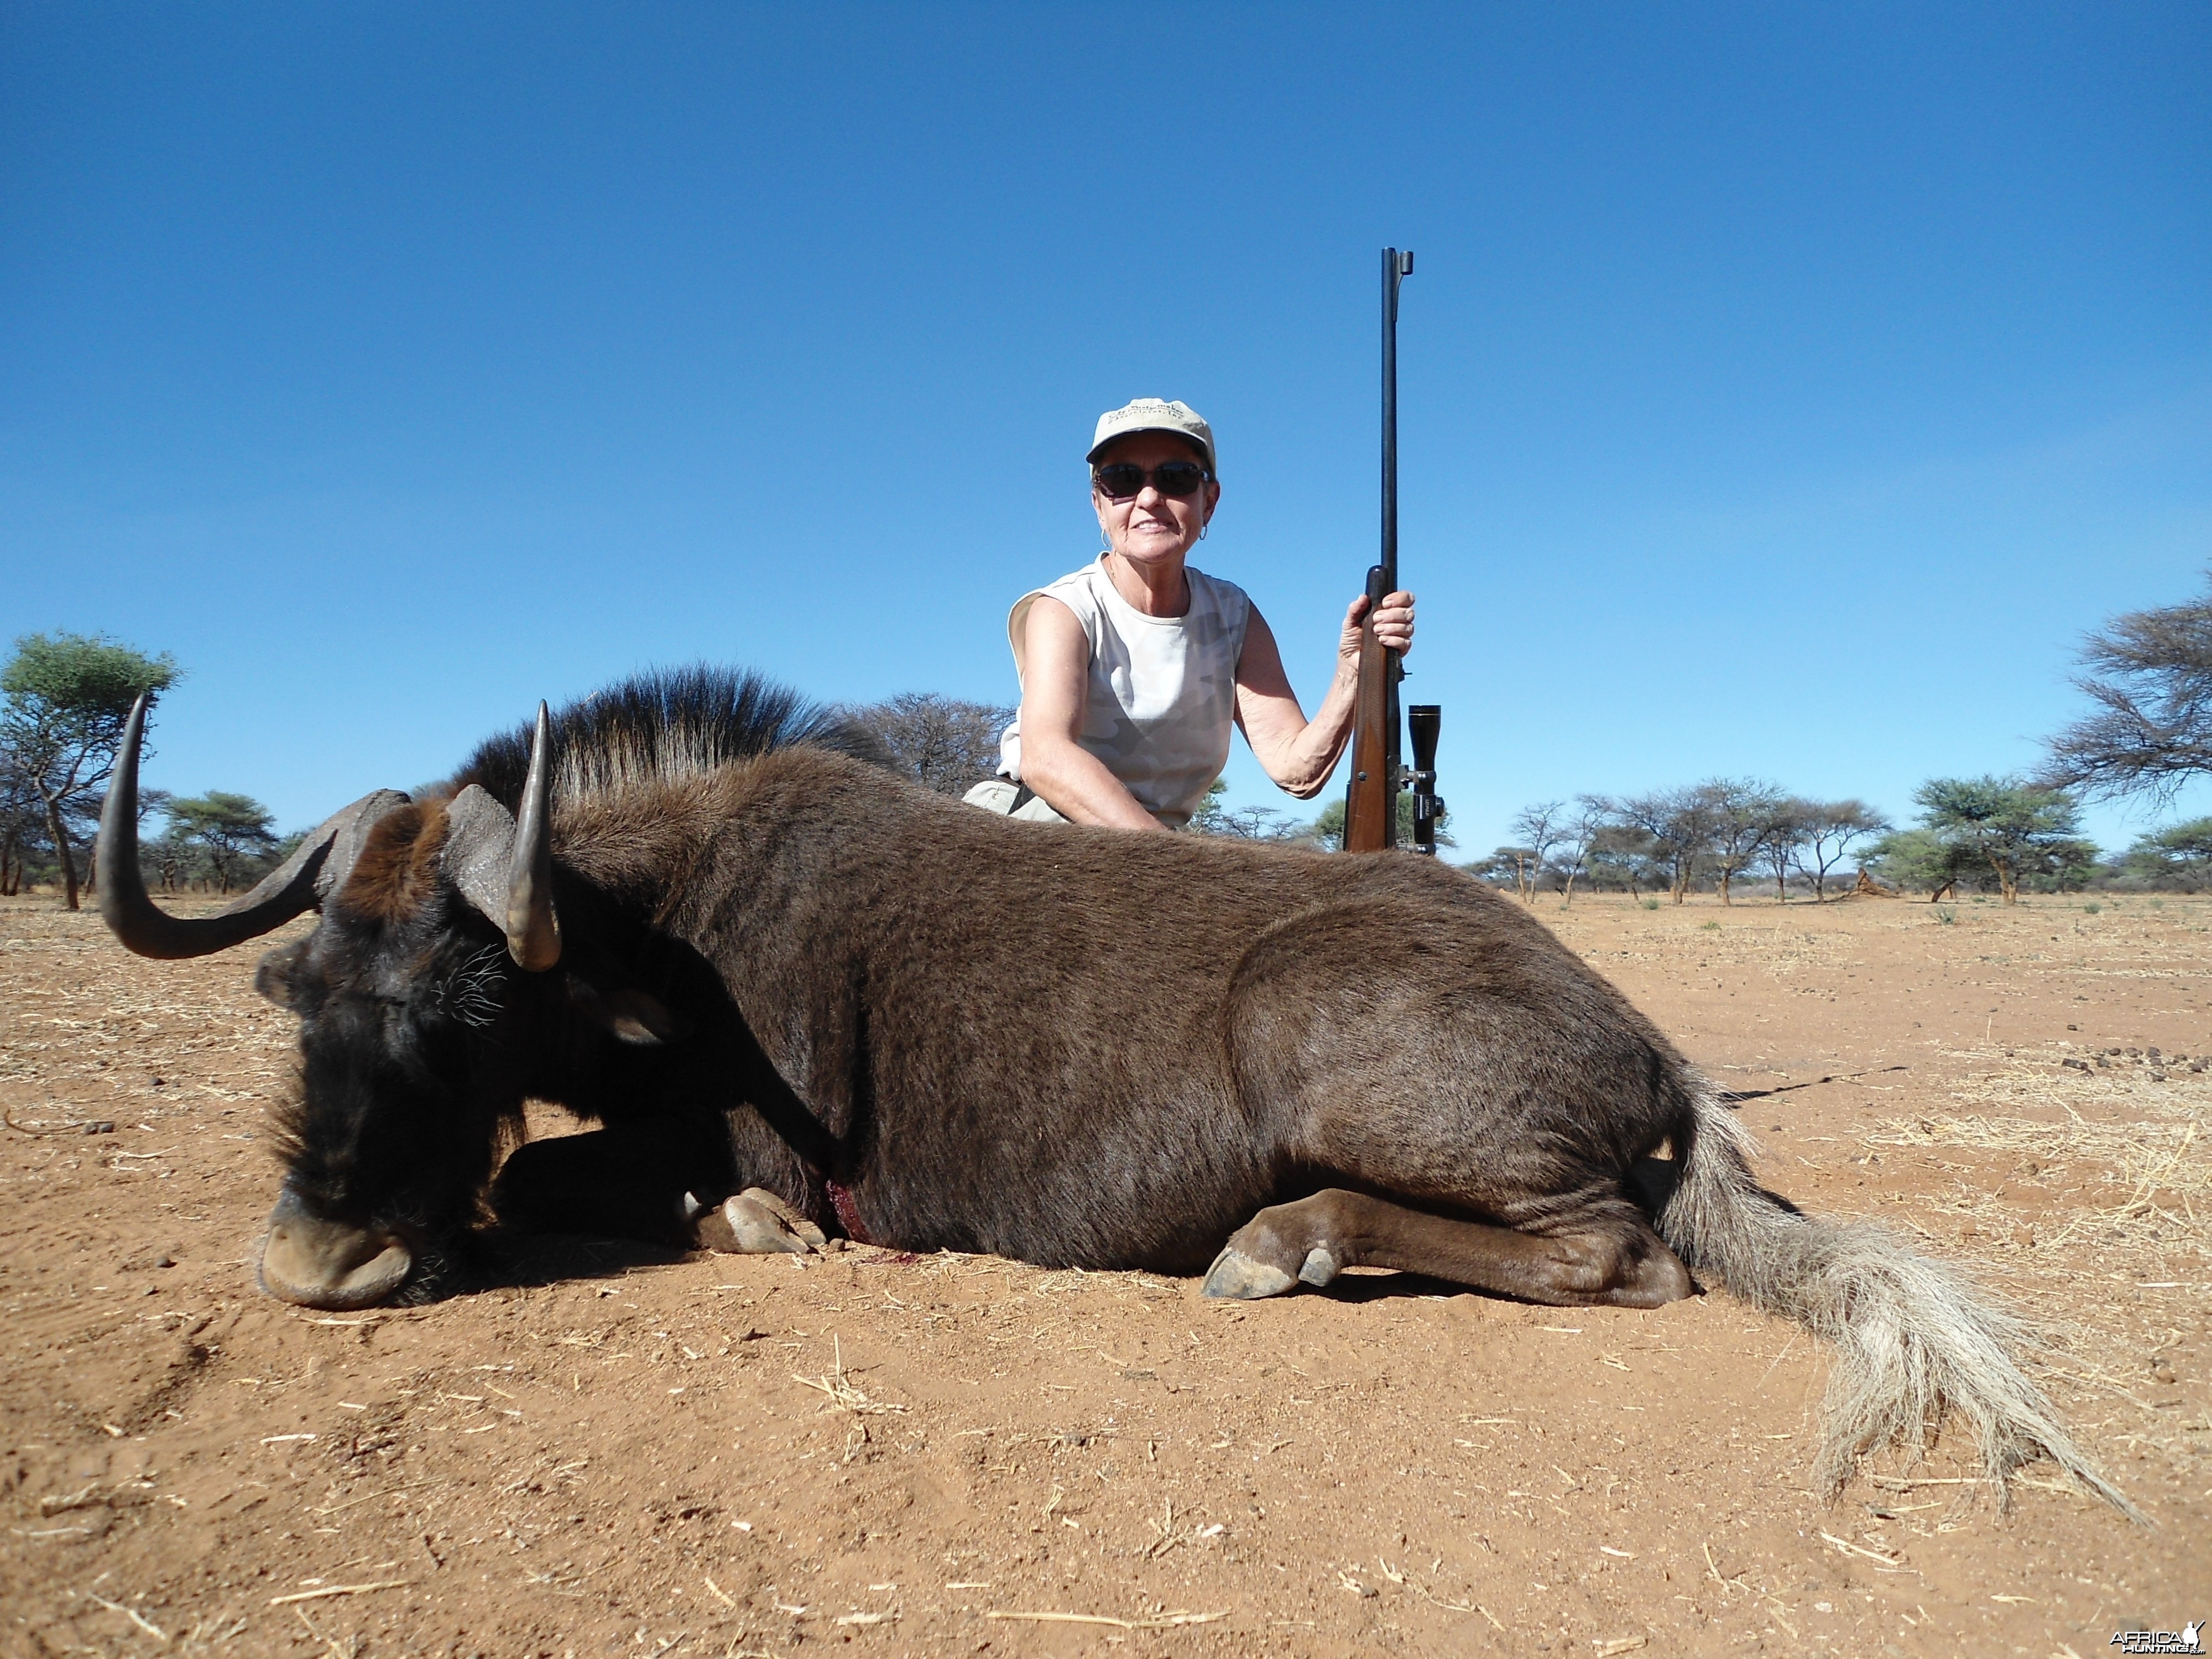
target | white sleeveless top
x=1161, y=700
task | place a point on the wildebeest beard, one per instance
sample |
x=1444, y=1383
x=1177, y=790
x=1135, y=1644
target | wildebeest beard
x=408, y=1090
x=775, y=975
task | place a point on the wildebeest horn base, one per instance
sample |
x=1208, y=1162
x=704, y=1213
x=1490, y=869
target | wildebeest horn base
x=315, y=871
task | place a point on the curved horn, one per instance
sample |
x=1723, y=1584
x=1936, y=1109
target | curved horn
x=533, y=930
x=299, y=883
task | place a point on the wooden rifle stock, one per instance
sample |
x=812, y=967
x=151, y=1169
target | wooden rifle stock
x=1370, y=808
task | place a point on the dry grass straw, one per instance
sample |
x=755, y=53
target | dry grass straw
x=2138, y=1163
x=338, y=1589
x=1163, y=1621
x=2142, y=1139
x=843, y=1395
x=1168, y=1532
x=135, y=1618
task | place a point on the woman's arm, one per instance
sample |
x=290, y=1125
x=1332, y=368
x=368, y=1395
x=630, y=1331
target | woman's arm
x=1299, y=754
x=1055, y=687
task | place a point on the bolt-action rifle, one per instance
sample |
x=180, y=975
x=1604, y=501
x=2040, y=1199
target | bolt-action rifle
x=1370, y=807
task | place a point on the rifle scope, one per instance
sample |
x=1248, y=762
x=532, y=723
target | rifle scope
x=1424, y=720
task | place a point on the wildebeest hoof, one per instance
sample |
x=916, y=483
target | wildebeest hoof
x=1320, y=1268
x=1235, y=1273
x=755, y=1222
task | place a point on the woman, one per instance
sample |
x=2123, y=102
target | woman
x=1134, y=668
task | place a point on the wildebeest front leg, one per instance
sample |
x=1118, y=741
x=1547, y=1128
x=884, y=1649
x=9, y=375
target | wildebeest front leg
x=755, y=1222
x=1619, y=1261
x=630, y=1184
x=607, y=1183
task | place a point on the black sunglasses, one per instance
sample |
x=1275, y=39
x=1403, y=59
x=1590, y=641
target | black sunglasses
x=1123, y=479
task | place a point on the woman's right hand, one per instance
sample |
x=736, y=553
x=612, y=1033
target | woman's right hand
x=1394, y=627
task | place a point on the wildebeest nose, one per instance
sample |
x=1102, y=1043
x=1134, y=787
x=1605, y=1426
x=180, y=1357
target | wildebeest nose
x=320, y=1263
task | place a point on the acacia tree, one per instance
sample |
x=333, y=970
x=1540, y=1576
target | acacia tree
x=1678, y=824
x=171, y=858
x=2181, y=855
x=1625, y=853
x=1539, y=827
x=1826, y=829
x=67, y=697
x=1921, y=859
x=1578, y=832
x=1742, y=814
x=22, y=822
x=1785, y=836
x=941, y=742
x=2014, y=828
x=2150, y=676
x=1213, y=817
x=229, y=831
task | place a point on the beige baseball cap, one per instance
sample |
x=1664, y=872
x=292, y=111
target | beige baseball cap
x=1154, y=414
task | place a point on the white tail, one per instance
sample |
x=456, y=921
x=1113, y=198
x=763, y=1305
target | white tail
x=1913, y=1341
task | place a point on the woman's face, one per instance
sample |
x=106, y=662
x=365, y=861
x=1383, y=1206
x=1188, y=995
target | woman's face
x=1149, y=528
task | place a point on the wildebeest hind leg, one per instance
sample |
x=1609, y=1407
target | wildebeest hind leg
x=1616, y=1260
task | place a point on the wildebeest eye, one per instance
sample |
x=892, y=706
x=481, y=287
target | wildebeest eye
x=275, y=977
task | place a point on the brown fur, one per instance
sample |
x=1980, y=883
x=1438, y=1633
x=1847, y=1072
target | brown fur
x=398, y=872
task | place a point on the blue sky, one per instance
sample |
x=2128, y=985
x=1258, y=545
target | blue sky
x=1785, y=388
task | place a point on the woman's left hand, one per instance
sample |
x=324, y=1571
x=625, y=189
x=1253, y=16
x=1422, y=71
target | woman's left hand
x=1394, y=625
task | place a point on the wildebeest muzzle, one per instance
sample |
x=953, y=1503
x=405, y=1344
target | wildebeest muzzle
x=333, y=1265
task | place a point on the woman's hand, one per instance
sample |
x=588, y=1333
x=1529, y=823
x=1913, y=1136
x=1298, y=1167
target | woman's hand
x=1394, y=627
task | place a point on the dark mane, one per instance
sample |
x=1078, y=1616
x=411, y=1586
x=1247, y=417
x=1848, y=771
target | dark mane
x=663, y=724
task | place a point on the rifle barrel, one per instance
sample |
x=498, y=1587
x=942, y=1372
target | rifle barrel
x=1396, y=267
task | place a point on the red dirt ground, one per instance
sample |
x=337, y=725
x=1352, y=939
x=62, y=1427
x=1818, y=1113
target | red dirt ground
x=628, y=1453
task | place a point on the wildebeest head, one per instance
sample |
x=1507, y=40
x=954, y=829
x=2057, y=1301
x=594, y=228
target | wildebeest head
x=423, y=996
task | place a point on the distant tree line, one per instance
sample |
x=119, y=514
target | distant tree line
x=64, y=697
x=1716, y=835
x=1990, y=835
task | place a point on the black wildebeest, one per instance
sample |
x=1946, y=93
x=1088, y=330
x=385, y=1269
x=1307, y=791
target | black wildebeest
x=796, y=991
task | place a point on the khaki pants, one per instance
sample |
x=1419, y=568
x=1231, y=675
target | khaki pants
x=998, y=795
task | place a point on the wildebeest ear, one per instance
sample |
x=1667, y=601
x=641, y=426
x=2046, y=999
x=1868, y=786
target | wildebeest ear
x=479, y=849
x=631, y=1015
x=273, y=978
